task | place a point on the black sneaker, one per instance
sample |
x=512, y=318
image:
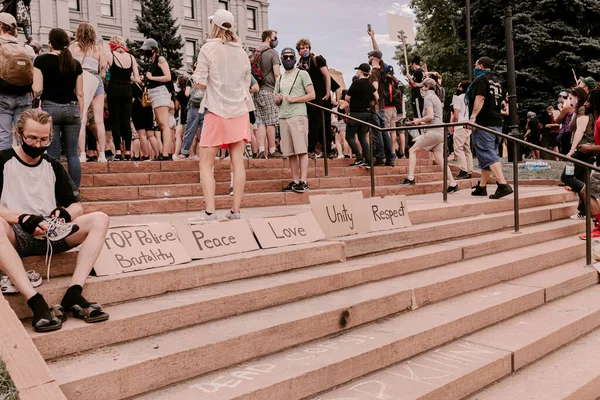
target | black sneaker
x=358, y=163
x=379, y=163
x=463, y=175
x=479, y=190
x=290, y=187
x=301, y=187
x=452, y=189
x=389, y=164
x=407, y=182
x=503, y=189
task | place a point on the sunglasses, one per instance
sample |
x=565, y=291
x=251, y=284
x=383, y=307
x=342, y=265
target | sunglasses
x=289, y=57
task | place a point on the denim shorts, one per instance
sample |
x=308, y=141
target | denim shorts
x=485, y=147
x=100, y=88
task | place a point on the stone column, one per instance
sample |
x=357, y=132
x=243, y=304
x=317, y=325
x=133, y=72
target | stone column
x=46, y=20
x=125, y=19
x=242, y=27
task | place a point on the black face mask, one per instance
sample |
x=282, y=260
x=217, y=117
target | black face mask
x=148, y=53
x=32, y=151
x=459, y=92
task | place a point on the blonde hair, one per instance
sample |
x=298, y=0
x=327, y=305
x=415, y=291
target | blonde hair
x=86, y=37
x=429, y=83
x=119, y=41
x=219, y=33
x=34, y=114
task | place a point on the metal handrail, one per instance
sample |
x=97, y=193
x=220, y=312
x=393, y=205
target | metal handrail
x=515, y=141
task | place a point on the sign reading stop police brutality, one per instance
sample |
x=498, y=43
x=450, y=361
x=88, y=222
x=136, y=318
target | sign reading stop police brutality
x=286, y=231
x=217, y=239
x=134, y=248
x=388, y=213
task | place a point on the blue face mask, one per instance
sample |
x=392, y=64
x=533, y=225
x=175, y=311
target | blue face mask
x=477, y=72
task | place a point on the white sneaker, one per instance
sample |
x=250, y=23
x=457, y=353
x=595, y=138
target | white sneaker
x=7, y=287
x=102, y=158
x=82, y=158
x=577, y=217
x=203, y=217
x=231, y=216
x=195, y=158
x=58, y=229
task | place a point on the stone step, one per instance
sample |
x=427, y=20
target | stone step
x=185, y=308
x=230, y=341
x=429, y=226
x=178, y=166
x=572, y=373
x=465, y=366
x=320, y=365
x=185, y=187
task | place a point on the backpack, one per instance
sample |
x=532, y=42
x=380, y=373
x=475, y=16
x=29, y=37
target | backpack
x=394, y=94
x=16, y=67
x=196, y=96
x=440, y=92
x=256, y=66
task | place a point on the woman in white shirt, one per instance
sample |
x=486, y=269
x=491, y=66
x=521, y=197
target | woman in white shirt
x=224, y=71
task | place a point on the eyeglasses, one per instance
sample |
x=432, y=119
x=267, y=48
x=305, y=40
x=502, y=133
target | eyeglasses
x=32, y=141
x=289, y=57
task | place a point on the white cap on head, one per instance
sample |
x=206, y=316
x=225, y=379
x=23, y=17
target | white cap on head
x=222, y=17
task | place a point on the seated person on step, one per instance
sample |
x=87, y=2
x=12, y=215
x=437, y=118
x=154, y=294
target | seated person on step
x=40, y=213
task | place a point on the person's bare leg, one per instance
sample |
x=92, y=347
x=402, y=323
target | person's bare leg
x=236, y=155
x=98, y=109
x=295, y=167
x=162, y=118
x=153, y=142
x=485, y=177
x=91, y=234
x=144, y=143
x=135, y=147
x=412, y=161
x=402, y=140
x=178, y=138
x=271, y=138
x=82, y=135
x=207, y=161
x=254, y=142
x=10, y=262
x=497, y=171
x=303, y=161
x=439, y=159
x=262, y=138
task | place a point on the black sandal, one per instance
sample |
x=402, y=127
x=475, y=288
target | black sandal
x=92, y=313
x=45, y=325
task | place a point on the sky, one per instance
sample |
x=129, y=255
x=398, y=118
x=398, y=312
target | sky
x=337, y=29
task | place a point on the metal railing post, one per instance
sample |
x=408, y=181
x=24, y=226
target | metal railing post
x=588, y=220
x=325, y=145
x=516, y=184
x=445, y=166
x=372, y=170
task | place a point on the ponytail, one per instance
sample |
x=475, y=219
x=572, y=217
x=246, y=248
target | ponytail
x=59, y=40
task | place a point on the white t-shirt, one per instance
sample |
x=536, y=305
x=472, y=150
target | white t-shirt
x=459, y=104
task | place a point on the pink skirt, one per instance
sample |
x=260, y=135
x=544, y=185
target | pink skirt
x=220, y=132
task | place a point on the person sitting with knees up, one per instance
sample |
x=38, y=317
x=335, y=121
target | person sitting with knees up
x=38, y=200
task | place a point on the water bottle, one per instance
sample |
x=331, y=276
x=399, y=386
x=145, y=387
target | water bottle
x=569, y=169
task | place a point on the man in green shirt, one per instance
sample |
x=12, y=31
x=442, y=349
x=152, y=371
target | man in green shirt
x=292, y=90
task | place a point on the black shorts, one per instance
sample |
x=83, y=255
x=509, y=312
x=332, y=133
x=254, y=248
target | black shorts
x=143, y=118
x=27, y=245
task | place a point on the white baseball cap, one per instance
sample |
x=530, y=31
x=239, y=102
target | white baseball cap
x=222, y=17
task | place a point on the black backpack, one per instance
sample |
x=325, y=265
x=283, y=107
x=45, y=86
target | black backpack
x=393, y=91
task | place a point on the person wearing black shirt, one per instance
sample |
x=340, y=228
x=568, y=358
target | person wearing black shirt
x=415, y=89
x=361, y=99
x=485, y=101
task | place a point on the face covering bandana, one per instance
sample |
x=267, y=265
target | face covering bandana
x=32, y=151
x=289, y=64
x=477, y=72
x=424, y=93
x=274, y=43
x=305, y=53
x=148, y=53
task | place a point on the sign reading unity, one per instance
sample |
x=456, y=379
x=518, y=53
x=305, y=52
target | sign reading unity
x=286, y=231
x=217, y=239
x=340, y=214
x=134, y=248
x=388, y=213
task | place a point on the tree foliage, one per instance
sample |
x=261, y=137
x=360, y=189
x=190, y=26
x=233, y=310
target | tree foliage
x=156, y=21
x=551, y=38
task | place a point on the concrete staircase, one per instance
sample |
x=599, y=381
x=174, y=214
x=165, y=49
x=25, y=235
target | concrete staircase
x=122, y=188
x=440, y=310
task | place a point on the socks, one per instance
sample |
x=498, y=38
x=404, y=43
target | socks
x=261, y=148
x=40, y=308
x=74, y=297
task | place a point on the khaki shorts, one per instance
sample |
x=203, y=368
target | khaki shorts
x=391, y=117
x=294, y=135
x=432, y=140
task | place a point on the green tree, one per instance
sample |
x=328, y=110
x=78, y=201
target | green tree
x=551, y=38
x=156, y=21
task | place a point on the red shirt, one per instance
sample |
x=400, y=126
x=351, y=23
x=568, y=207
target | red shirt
x=597, y=132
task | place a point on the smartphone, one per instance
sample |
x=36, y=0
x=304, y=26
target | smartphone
x=368, y=28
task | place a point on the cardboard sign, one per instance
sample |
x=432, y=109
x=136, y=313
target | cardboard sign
x=388, y=213
x=341, y=214
x=218, y=239
x=135, y=248
x=286, y=231
x=397, y=24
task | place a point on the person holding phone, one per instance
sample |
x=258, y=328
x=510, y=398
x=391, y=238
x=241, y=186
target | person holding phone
x=292, y=90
